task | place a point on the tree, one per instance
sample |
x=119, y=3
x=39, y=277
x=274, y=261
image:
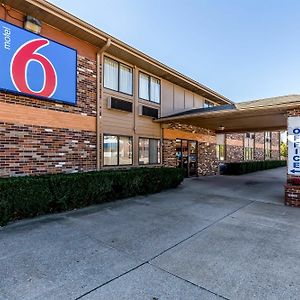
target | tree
x=283, y=149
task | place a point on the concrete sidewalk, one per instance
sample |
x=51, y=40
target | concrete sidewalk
x=211, y=238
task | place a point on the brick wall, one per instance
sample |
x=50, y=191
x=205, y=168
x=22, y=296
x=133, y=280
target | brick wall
x=31, y=149
x=207, y=159
x=234, y=147
x=39, y=150
x=169, y=153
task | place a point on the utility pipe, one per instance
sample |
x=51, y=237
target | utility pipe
x=99, y=97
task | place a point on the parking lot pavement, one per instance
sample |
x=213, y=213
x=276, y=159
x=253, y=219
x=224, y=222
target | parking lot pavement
x=211, y=238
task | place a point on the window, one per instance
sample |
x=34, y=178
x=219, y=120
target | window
x=149, y=151
x=221, y=152
x=220, y=147
x=117, y=150
x=208, y=104
x=149, y=88
x=268, y=145
x=249, y=146
x=117, y=76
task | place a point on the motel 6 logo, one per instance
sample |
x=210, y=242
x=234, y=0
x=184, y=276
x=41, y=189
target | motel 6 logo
x=36, y=66
x=26, y=54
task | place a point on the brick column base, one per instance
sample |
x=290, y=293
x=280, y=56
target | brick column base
x=169, y=153
x=292, y=195
x=207, y=159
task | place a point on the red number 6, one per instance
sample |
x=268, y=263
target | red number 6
x=19, y=65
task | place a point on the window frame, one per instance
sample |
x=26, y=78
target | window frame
x=268, y=141
x=219, y=146
x=149, y=87
x=158, y=156
x=249, y=151
x=119, y=63
x=118, y=150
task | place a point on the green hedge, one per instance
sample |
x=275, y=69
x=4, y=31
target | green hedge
x=238, y=168
x=22, y=197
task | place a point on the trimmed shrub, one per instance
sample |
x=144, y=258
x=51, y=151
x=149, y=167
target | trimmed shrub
x=238, y=168
x=22, y=197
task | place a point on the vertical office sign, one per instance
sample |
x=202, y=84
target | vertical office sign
x=33, y=65
x=294, y=146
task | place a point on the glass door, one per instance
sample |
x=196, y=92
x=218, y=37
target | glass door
x=193, y=159
x=186, y=154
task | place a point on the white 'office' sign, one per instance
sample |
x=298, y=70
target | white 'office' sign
x=294, y=146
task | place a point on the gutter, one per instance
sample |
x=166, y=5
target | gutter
x=99, y=97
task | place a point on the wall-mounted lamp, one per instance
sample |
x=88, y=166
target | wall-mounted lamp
x=221, y=128
x=33, y=24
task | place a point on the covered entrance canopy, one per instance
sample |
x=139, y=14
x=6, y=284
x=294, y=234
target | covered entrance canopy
x=260, y=115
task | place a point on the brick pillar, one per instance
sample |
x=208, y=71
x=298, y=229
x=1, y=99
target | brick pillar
x=259, y=146
x=275, y=145
x=169, y=153
x=235, y=147
x=207, y=159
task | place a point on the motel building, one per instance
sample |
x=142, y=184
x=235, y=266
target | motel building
x=75, y=99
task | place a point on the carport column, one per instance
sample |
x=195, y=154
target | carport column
x=207, y=158
x=169, y=153
x=292, y=188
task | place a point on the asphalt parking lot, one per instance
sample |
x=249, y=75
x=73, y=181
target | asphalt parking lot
x=211, y=238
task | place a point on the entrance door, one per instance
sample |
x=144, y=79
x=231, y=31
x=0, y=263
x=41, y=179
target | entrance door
x=193, y=158
x=186, y=154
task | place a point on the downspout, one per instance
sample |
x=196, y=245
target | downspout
x=99, y=97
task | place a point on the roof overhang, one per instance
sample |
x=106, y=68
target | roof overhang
x=260, y=115
x=58, y=18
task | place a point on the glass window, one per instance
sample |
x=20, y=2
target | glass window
x=117, y=150
x=149, y=151
x=249, y=146
x=143, y=151
x=117, y=76
x=154, y=152
x=125, y=79
x=155, y=90
x=144, y=91
x=220, y=147
x=221, y=152
x=248, y=153
x=268, y=145
x=111, y=74
x=149, y=88
x=125, y=150
x=110, y=150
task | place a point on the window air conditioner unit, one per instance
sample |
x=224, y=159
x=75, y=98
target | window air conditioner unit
x=119, y=104
x=148, y=111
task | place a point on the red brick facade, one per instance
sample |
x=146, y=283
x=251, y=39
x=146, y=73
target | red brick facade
x=29, y=150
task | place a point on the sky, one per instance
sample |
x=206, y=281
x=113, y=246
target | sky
x=243, y=49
